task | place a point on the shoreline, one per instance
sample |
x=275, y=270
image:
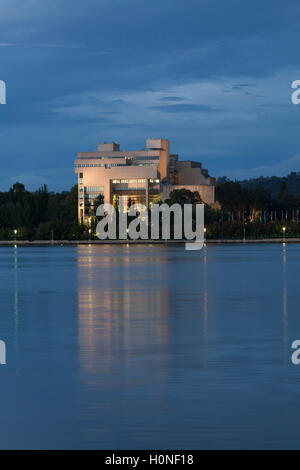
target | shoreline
x=27, y=243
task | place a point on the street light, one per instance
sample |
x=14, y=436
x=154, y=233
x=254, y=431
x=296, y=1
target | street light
x=90, y=231
x=204, y=233
x=283, y=230
x=15, y=232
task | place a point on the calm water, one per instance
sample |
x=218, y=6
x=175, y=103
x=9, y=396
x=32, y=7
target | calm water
x=150, y=347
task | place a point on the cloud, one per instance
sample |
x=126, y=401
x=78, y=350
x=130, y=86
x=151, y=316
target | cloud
x=78, y=75
x=172, y=98
x=55, y=179
x=53, y=45
x=239, y=86
x=281, y=168
x=186, y=108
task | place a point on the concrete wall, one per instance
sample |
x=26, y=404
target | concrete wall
x=192, y=173
x=163, y=146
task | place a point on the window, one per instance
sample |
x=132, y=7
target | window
x=153, y=157
x=154, y=181
x=144, y=164
x=94, y=189
x=85, y=165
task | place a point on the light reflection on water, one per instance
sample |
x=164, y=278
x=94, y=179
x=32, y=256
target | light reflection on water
x=284, y=297
x=111, y=320
x=16, y=294
x=150, y=347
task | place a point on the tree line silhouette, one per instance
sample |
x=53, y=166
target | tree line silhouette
x=242, y=210
x=39, y=215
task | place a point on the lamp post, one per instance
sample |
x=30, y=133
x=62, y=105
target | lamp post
x=15, y=232
x=204, y=233
x=90, y=231
x=244, y=233
x=283, y=233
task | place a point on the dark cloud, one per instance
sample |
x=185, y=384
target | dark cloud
x=55, y=53
x=172, y=98
x=240, y=86
x=186, y=108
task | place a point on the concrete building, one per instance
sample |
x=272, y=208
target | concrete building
x=145, y=176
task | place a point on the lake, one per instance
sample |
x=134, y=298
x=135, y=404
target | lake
x=150, y=347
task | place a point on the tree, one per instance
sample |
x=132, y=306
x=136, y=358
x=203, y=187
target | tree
x=72, y=201
x=98, y=202
x=229, y=195
x=183, y=196
x=282, y=187
x=18, y=188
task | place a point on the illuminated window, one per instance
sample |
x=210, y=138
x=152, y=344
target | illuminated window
x=149, y=157
x=94, y=189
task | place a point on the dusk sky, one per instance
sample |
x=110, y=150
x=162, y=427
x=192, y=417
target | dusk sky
x=212, y=76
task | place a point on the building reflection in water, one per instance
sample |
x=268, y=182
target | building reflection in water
x=142, y=319
x=123, y=305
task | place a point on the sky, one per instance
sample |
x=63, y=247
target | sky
x=212, y=76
